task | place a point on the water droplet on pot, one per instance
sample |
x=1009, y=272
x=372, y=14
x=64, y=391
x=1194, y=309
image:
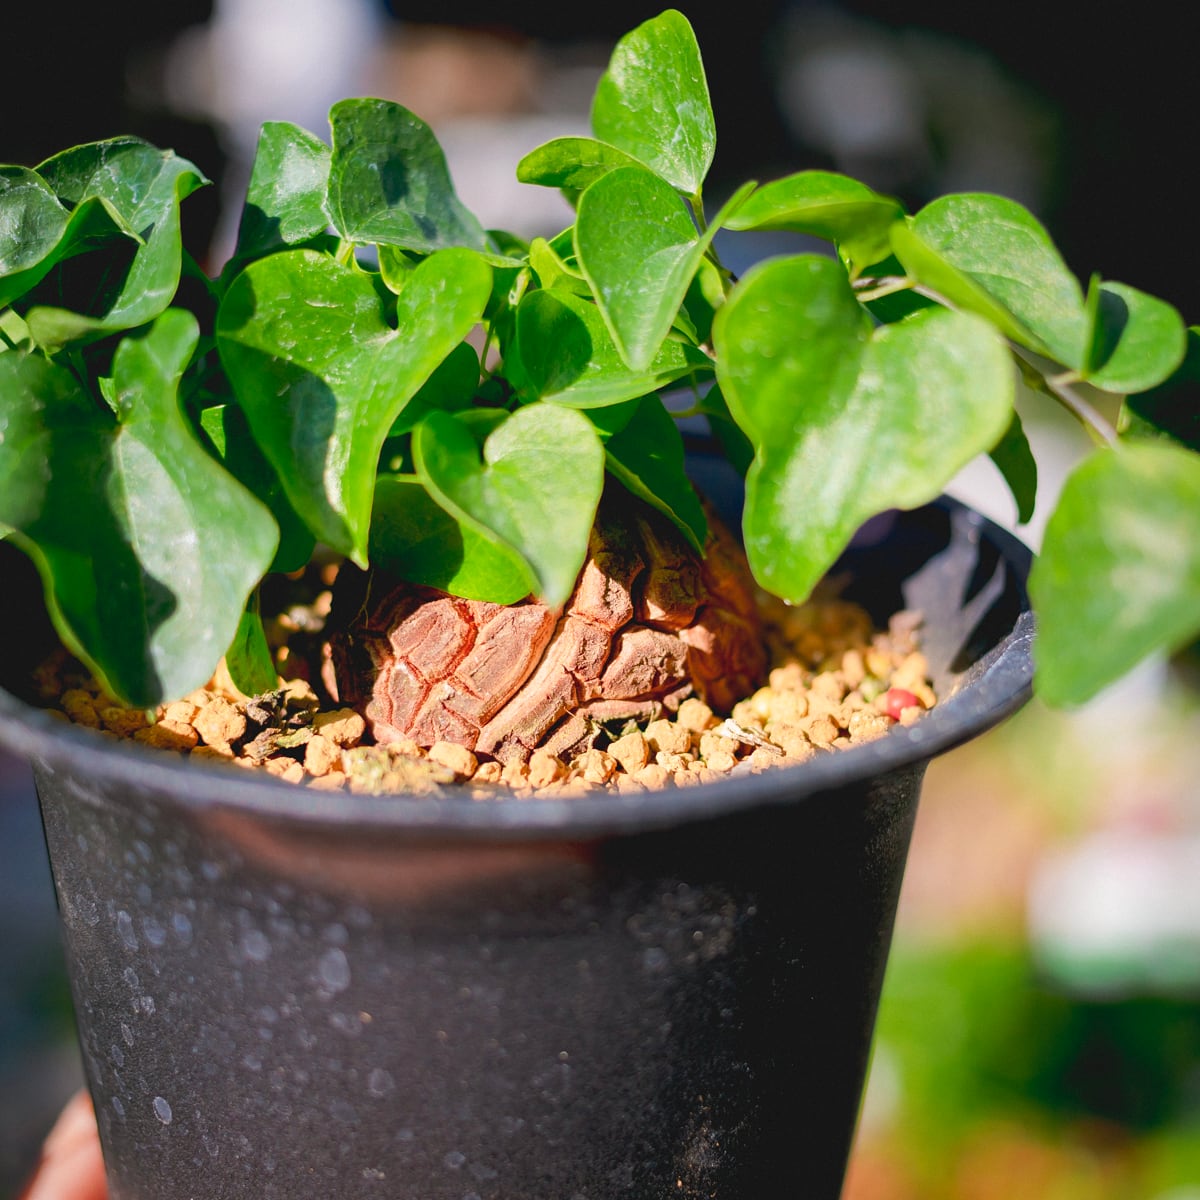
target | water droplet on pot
x=454, y=1159
x=182, y=927
x=118, y=1107
x=380, y=1082
x=125, y=929
x=256, y=946
x=162, y=1110
x=153, y=930
x=334, y=970
x=654, y=959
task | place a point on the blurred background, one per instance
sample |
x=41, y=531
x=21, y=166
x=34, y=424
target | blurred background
x=1040, y=1028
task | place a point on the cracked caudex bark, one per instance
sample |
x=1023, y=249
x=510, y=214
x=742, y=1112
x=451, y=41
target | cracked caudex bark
x=649, y=623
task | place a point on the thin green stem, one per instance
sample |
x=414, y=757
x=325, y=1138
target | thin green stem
x=6, y=339
x=345, y=252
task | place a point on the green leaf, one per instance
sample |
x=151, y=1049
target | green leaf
x=571, y=162
x=847, y=420
x=144, y=186
x=826, y=205
x=248, y=659
x=228, y=433
x=735, y=444
x=1118, y=576
x=647, y=457
x=413, y=537
x=989, y=255
x=568, y=356
x=285, y=198
x=129, y=519
x=534, y=489
x=1171, y=410
x=450, y=388
x=389, y=183
x=652, y=102
x=37, y=232
x=1136, y=340
x=639, y=250
x=1014, y=460
x=322, y=376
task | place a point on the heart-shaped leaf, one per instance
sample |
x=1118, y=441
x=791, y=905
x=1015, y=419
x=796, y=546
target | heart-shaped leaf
x=571, y=163
x=827, y=205
x=1169, y=410
x=389, y=182
x=534, y=488
x=1136, y=340
x=37, y=231
x=144, y=187
x=322, y=376
x=568, y=356
x=413, y=537
x=249, y=660
x=652, y=102
x=989, y=255
x=647, y=456
x=285, y=198
x=129, y=519
x=639, y=250
x=847, y=420
x=1118, y=575
x=1014, y=460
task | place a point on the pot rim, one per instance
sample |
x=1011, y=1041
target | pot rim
x=1000, y=684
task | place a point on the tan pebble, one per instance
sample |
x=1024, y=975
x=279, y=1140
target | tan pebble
x=123, y=721
x=788, y=707
x=925, y=694
x=761, y=758
x=720, y=760
x=652, y=776
x=457, y=758
x=685, y=778
x=631, y=751
x=796, y=747
x=829, y=685
x=713, y=742
x=293, y=773
x=219, y=723
x=212, y=753
x=745, y=714
x=516, y=774
x=332, y=782
x=866, y=724
x=854, y=669
x=488, y=772
x=841, y=743
x=760, y=704
x=79, y=706
x=705, y=775
x=183, y=711
x=911, y=672
x=911, y=715
x=788, y=678
x=627, y=783
x=544, y=768
x=671, y=761
x=695, y=715
x=344, y=726
x=167, y=735
x=821, y=730
x=668, y=736
x=321, y=755
x=200, y=697
x=596, y=766
x=879, y=663
x=298, y=694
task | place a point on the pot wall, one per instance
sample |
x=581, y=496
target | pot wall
x=683, y=1013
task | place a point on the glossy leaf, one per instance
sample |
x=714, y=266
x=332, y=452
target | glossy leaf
x=285, y=198
x=1136, y=340
x=639, y=250
x=1171, y=410
x=248, y=659
x=144, y=186
x=1014, y=460
x=129, y=519
x=989, y=255
x=322, y=376
x=647, y=457
x=228, y=433
x=389, y=183
x=652, y=102
x=567, y=354
x=847, y=420
x=534, y=487
x=1118, y=576
x=826, y=205
x=413, y=537
x=450, y=388
x=571, y=162
x=37, y=232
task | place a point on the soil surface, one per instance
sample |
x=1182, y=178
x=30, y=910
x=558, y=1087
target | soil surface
x=835, y=680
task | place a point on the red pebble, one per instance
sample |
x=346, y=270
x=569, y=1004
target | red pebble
x=897, y=700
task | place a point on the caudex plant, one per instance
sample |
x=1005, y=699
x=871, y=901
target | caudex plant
x=375, y=372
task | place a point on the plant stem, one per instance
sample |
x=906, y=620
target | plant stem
x=1086, y=414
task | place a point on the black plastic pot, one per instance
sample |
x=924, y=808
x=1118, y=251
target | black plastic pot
x=282, y=992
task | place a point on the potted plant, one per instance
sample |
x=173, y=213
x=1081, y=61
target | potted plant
x=593, y=996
